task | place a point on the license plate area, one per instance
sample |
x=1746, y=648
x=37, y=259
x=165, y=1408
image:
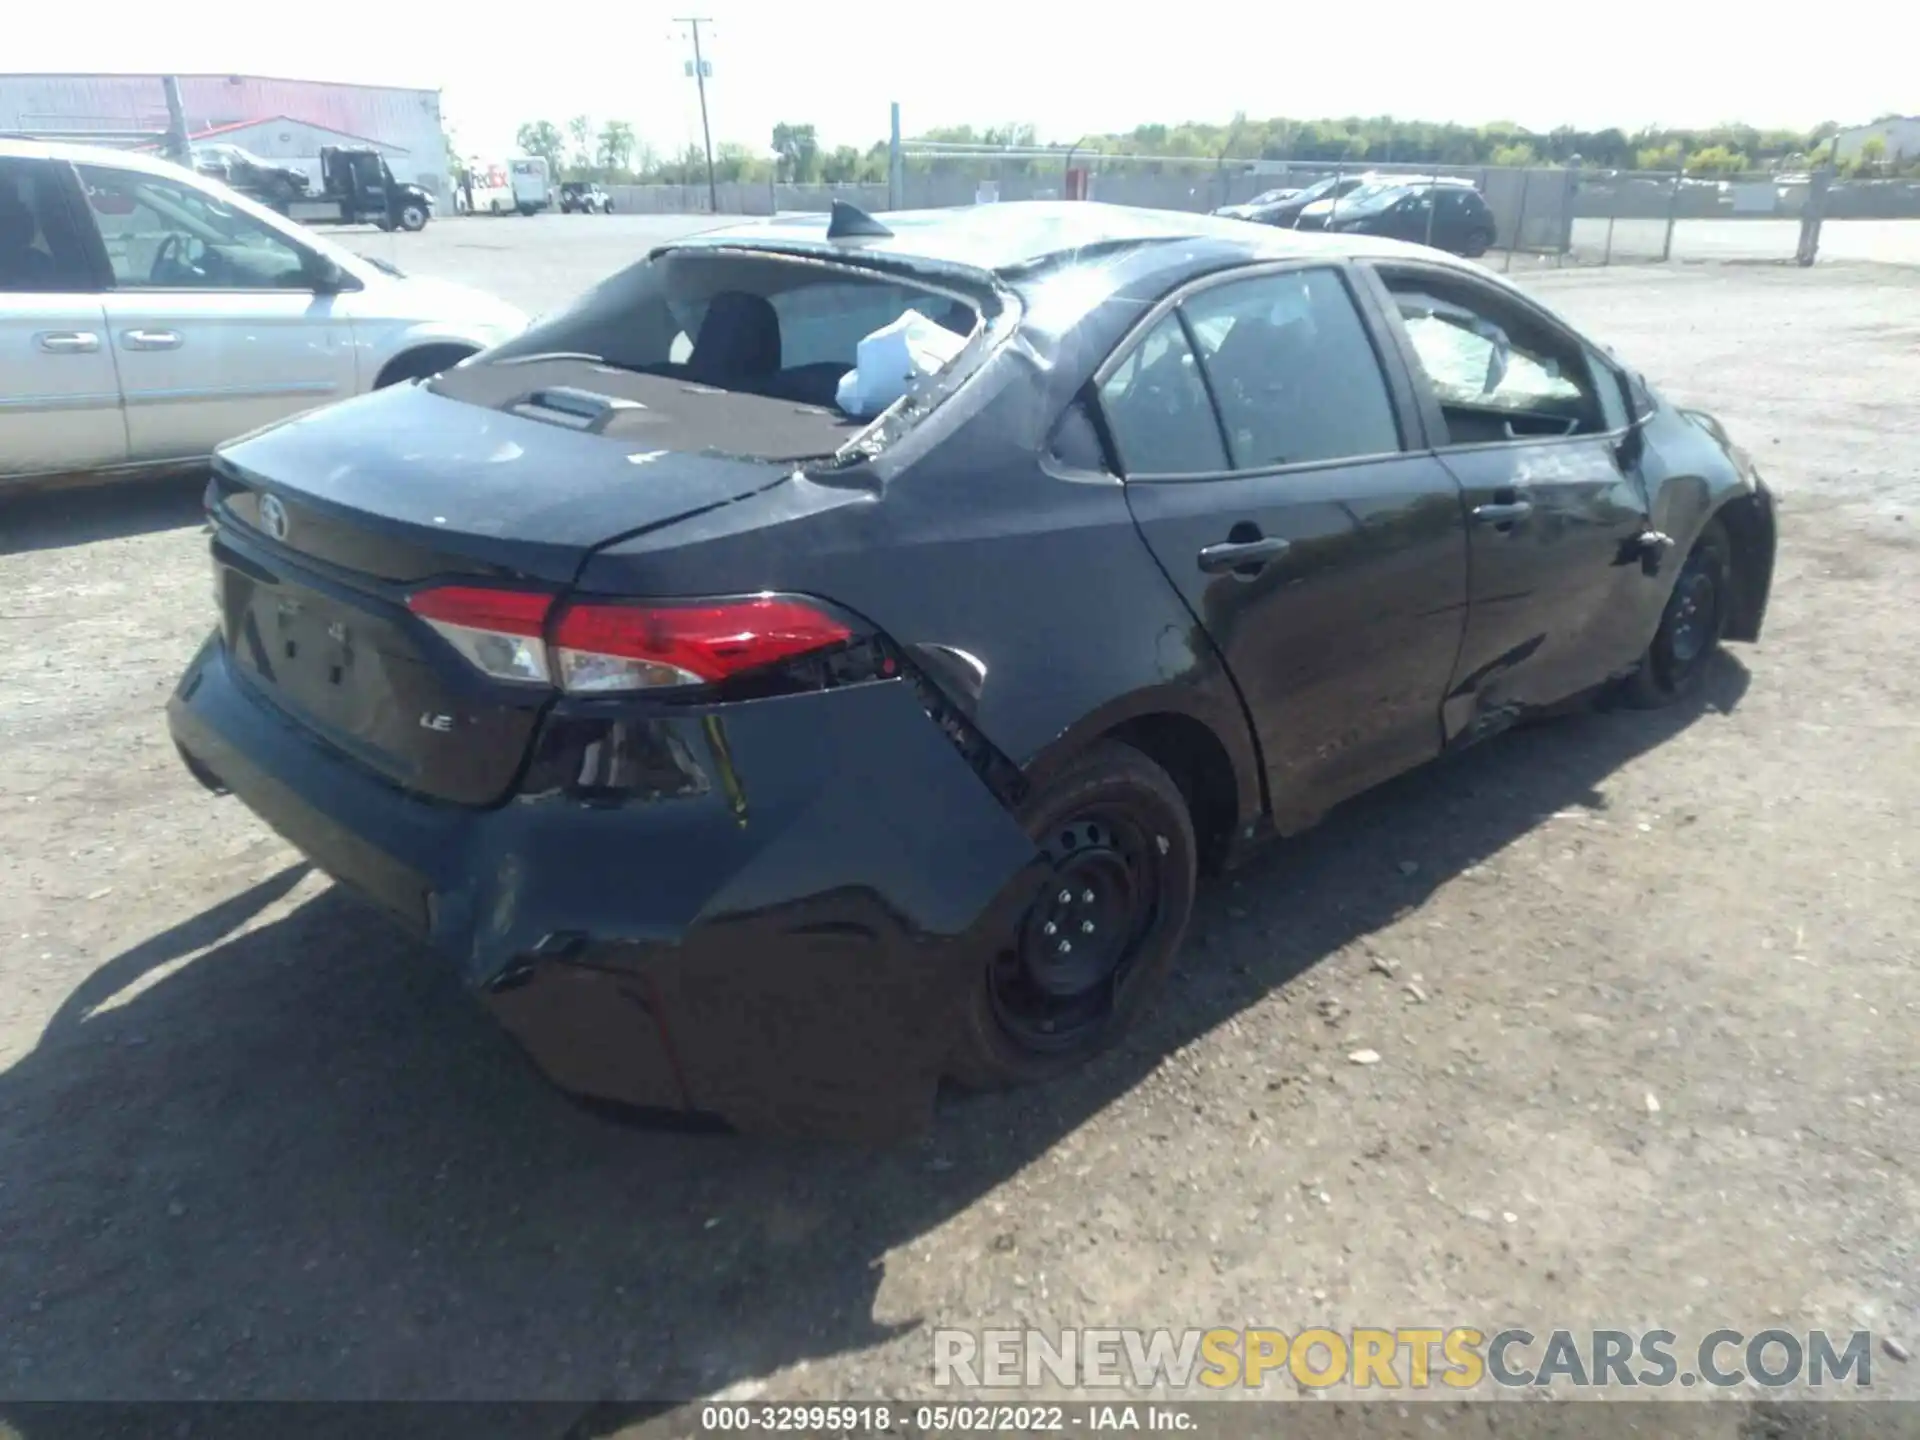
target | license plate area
x=351, y=669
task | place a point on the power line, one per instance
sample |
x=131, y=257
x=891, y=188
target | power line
x=700, y=79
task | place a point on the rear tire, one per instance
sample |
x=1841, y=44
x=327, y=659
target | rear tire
x=1118, y=834
x=1477, y=243
x=1690, y=626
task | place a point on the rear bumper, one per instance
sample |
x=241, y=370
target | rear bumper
x=767, y=911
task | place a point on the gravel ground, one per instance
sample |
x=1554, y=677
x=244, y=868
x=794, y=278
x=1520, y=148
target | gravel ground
x=1642, y=988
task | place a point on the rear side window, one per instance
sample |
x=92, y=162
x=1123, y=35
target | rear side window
x=1157, y=408
x=1294, y=373
x=41, y=251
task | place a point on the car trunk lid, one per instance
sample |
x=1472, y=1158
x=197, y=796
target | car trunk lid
x=405, y=484
x=324, y=527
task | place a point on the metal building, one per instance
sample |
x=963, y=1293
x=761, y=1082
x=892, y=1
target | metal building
x=281, y=119
x=1899, y=136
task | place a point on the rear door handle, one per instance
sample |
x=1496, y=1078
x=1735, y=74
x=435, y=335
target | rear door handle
x=151, y=339
x=1246, y=556
x=69, y=342
x=1504, y=513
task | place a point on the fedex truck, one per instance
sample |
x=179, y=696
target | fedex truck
x=519, y=184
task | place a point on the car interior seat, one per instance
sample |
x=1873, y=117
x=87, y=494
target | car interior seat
x=739, y=342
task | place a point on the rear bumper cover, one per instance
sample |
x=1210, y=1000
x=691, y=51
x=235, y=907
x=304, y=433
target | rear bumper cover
x=767, y=911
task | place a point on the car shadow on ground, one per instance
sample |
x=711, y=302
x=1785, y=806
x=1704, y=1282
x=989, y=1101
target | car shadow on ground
x=59, y=518
x=296, y=1161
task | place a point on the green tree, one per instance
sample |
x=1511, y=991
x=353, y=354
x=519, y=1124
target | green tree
x=1658, y=157
x=1717, y=160
x=580, y=131
x=842, y=167
x=616, y=145
x=542, y=138
x=799, y=151
x=736, y=162
x=1873, y=154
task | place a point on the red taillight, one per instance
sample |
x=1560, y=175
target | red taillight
x=499, y=631
x=600, y=646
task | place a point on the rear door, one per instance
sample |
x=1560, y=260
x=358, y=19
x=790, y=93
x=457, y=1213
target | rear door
x=1532, y=427
x=214, y=321
x=1270, y=465
x=59, y=392
x=1461, y=221
x=529, y=183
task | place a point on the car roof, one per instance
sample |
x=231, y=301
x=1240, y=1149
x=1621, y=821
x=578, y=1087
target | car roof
x=1017, y=235
x=20, y=148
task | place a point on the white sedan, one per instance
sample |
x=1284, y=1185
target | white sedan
x=148, y=313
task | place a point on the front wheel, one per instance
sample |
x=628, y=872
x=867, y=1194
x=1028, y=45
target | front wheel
x=1099, y=938
x=1690, y=626
x=413, y=218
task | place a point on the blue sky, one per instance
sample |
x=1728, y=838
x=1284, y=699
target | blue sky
x=1678, y=62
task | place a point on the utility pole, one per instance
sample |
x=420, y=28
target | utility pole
x=179, y=148
x=700, y=79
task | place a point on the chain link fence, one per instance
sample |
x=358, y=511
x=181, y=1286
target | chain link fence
x=1542, y=216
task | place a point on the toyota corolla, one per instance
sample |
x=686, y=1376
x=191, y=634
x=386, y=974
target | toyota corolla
x=756, y=758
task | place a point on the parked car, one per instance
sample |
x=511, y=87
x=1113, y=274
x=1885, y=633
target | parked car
x=1448, y=217
x=1320, y=214
x=749, y=759
x=1307, y=209
x=585, y=197
x=148, y=313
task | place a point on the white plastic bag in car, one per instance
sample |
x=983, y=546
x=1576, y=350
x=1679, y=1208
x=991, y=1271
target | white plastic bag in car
x=890, y=359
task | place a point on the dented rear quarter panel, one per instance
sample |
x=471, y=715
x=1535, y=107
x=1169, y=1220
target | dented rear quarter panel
x=961, y=538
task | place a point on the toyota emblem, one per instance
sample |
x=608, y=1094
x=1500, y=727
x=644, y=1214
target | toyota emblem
x=273, y=517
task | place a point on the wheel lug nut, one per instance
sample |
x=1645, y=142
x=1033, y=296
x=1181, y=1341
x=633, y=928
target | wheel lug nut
x=1086, y=927
x=1086, y=897
x=1048, y=928
x=1066, y=947
x=1066, y=897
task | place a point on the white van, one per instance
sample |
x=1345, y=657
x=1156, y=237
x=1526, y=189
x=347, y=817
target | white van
x=501, y=187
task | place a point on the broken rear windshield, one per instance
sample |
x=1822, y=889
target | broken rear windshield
x=761, y=325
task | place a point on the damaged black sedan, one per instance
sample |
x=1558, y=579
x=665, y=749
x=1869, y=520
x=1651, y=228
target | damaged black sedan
x=753, y=757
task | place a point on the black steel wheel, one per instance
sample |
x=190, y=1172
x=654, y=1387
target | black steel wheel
x=1098, y=939
x=1690, y=626
x=1476, y=244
